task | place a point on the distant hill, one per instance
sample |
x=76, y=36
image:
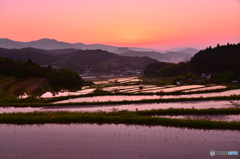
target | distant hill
x=79, y=60
x=60, y=51
x=154, y=55
x=36, y=55
x=102, y=61
x=178, y=56
x=182, y=49
x=10, y=44
x=49, y=44
x=101, y=47
x=121, y=50
x=222, y=62
x=52, y=44
x=190, y=51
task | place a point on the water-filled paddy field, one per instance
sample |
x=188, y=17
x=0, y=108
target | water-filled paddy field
x=134, y=89
x=142, y=97
x=76, y=141
x=122, y=141
x=119, y=107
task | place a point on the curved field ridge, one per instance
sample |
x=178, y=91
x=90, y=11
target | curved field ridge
x=121, y=117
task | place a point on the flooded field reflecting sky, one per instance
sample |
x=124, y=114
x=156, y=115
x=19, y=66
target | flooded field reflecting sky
x=130, y=107
x=141, y=97
x=113, y=141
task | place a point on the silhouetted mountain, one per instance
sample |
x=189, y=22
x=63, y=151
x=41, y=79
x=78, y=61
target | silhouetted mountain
x=54, y=44
x=102, y=61
x=36, y=55
x=144, y=49
x=121, y=50
x=190, y=51
x=60, y=51
x=179, y=49
x=48, y=44
x=178, y=56
x=10, y=44
x=101, y=47
x=79, y=60
x=154, y=55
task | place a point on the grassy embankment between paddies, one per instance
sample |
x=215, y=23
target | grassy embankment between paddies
x=35, y=102
x=126, y=117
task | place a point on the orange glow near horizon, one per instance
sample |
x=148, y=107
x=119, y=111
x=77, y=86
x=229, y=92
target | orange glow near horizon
x=157, y=24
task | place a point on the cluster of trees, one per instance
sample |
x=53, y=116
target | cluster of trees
x=222, y=62
x=61, y=77
x=163, y=69
x=216, y=60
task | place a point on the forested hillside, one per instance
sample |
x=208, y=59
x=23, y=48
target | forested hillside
x=61, y=77
x=163, y=69
x=215, y=60
x=102, y=61
x=222, y=62
x=78, y=60
x=36, y=55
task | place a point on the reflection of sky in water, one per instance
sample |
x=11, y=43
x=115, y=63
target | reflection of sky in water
x=207, y=117
x=60, y=94
x=112, y=142
x=130, y=107
x=140, y=97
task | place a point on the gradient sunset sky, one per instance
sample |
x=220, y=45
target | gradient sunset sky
x=160, y=24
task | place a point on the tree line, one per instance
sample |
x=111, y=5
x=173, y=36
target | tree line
x=222, y=62
x=61, y=77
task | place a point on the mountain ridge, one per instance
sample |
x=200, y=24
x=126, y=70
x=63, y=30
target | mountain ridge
x=152, y=54
x=18, y=44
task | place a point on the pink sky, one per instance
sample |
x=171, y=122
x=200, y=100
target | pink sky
x=160, y=24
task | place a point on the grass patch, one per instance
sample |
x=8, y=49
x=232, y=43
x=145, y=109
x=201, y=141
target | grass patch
x=118, y=117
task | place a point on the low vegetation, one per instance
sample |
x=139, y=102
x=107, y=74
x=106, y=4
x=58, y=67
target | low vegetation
x=124, y=117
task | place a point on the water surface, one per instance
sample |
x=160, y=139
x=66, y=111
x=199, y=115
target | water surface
x=130, y=107
x=54, y=141
x=142, y=97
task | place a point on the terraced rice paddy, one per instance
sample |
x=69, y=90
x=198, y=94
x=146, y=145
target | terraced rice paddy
x=134, y=89
x=206, y=89
x=21, y=87
x=130, y=107
x=67, y=93
x=93, y=141
x=123, y=80
x=142, y=97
